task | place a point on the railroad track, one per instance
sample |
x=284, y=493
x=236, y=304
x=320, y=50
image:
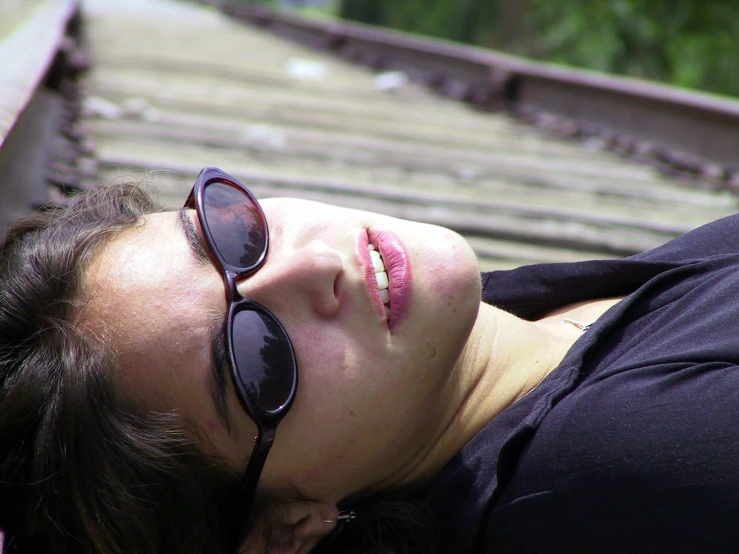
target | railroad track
x=175, y=86
x=677, y=130
x=44, y=154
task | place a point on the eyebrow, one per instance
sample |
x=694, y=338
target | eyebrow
x=219, y=358
x=194, y=239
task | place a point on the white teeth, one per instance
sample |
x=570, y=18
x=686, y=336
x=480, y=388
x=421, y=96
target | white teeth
x=382, y=280
x=377, y=261
x=380, y=274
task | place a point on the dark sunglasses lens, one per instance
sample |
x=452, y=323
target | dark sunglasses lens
x=235, y=224
x=264, y=360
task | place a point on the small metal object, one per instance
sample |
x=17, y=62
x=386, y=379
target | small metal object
x=346, y=516
x=579, y=324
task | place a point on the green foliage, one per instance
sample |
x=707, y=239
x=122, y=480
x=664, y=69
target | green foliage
x=324, y=10
x=688, y=43
x=692, y=43
x=454, y=20
x=366, y=11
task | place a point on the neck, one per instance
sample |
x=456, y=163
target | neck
x=504, y=359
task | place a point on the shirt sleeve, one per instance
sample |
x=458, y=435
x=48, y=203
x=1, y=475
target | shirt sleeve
x=532, y=290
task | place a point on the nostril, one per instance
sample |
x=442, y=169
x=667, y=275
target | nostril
x=337, y=283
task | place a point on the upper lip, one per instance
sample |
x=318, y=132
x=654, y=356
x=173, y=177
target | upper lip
x=370, y=274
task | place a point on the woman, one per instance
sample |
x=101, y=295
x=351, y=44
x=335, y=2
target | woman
x=578, y=407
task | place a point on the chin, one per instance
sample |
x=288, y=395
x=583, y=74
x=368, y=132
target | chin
x=455, y=268
x=452, y=286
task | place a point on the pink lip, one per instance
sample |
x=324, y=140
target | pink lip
x=369, y=275
x=398, y=271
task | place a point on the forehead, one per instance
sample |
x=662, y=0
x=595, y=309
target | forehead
x=157, y=306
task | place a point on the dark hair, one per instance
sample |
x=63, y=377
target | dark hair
x=82, y=469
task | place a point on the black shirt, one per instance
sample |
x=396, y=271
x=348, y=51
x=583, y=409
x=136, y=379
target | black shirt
x=632, y=443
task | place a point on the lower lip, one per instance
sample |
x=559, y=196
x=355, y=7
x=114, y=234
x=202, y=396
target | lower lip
x=398, y=270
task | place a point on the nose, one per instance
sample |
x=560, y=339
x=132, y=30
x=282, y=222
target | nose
x=305, y=277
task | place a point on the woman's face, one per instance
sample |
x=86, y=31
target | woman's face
x=372, y=397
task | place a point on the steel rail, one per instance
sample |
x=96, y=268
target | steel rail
x=26, y=57
x=42, y=151
x=679, y=131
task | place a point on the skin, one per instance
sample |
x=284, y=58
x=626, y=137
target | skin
x=375, y=409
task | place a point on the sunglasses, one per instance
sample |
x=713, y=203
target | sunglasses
x=260, y=353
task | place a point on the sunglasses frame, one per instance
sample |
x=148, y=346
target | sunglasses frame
x=265, y=420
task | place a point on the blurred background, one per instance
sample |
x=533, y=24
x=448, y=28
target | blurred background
x=689, y=43
x=530, y=164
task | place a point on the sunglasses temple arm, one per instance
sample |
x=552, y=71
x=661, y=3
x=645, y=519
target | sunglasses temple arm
x=256, y=465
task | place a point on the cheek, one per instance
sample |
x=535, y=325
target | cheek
x=353, y=394
x=342, y=388
x=331, y=373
